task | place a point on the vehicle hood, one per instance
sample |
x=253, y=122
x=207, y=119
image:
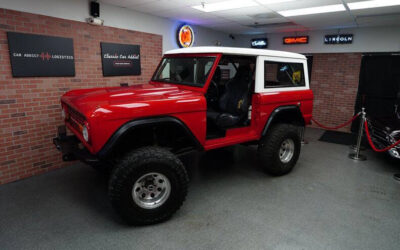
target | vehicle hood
x=127, y=102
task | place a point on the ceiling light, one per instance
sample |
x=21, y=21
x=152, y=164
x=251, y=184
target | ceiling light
x=225, y=5
x=273, y=1
x=372, y=4
x=313, y=10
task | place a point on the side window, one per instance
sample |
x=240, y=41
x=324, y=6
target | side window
x=230, y=64
x=281, y=74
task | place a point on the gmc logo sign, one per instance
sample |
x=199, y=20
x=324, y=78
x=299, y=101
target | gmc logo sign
x=295, y=40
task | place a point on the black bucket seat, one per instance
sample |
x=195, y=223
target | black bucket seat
x=234, y=102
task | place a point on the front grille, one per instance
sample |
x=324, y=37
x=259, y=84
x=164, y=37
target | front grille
x=75, y=115
x=74, y=118
x=75, y=125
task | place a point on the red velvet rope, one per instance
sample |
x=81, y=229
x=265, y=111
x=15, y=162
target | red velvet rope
x=337, y=127
x=372, y=143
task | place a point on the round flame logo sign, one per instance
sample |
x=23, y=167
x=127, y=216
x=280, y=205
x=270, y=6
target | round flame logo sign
x=185, y=36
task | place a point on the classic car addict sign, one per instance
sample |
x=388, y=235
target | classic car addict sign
x=259, y=43
x=120, y=59
x=38, y=55
x=339, y=39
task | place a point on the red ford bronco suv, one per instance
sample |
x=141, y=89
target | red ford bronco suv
x=199, y=98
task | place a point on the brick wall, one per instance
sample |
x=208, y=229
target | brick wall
x=30, y=110
x=29, y=107
x=334, y=81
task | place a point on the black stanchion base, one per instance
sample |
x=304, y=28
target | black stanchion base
x=357, y=158
x=396, y=177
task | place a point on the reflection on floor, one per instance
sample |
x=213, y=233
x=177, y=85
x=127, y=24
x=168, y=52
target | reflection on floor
x=327, y=202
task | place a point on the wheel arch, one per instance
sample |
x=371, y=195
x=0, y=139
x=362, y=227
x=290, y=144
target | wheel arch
x=285, y=114
x=134, y=127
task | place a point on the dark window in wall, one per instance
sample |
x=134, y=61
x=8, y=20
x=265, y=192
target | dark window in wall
x=379, y=85
x=309, y=66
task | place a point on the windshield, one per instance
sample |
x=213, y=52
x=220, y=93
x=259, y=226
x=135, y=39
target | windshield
x=191, y=71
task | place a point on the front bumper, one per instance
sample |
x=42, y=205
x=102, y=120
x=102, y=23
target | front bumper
x=72, y=149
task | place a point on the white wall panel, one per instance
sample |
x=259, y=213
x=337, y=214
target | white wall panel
x=118, y=17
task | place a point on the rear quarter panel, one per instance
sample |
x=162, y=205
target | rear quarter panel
x=266, y=103
x=266, y=100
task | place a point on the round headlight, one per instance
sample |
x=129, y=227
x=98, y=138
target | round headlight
x=63, y=113
x=85, y=133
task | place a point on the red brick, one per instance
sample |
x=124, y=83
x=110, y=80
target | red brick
x=29, y=107
x=334, y=81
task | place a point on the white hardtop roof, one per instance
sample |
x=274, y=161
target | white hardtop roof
x=236, y=51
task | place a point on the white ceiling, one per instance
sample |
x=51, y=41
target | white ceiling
x=240, y=21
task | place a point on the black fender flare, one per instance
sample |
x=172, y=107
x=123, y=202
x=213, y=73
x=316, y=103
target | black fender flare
x=280, y=110
x=112, y=141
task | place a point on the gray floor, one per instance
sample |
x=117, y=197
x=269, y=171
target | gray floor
x=327, y=202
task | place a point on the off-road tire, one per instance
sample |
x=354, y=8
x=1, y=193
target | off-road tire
x=131, y=168
x=270, y=145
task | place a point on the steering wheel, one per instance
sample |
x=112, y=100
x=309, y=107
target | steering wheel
x=213, y=94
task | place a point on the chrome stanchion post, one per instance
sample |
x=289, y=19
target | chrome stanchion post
x=354, y=147
x=357, y=156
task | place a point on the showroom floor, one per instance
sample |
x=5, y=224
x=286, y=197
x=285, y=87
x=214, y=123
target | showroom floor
x=327, y=202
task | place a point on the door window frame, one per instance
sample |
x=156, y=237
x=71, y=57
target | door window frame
x=260, y=76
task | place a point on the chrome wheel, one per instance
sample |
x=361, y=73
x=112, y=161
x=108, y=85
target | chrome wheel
x=286, y=151
x=395, y=153
x=151, y=190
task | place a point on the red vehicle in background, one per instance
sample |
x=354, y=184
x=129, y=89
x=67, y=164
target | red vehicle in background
x=199, y=98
